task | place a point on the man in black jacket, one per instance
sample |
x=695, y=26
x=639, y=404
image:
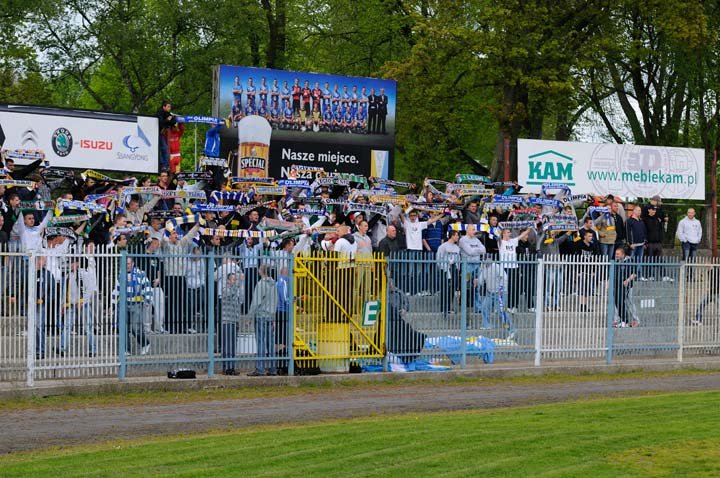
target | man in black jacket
x=372, y=112
x=588, y=249
x=166, y=121
x=382, y=101
x=654, y=250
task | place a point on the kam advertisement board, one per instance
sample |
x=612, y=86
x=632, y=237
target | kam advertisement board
x=338, y=123
x=83, y=139
x=620, y=169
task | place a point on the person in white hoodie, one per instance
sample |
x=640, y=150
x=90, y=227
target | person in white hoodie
x=30, y=234
x=689, y=233
x=344, y=283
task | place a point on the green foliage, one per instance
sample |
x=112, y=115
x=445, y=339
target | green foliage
x=469, y=72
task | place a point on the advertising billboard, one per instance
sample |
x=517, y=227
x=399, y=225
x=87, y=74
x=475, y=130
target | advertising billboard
x=619, y=169
x=82, y=139
x=338, y=123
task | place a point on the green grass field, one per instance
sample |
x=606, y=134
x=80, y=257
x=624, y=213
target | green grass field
x=672, y=435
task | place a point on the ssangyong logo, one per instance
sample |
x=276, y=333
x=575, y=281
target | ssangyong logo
x=132, y=143
x=62, y=142
x=550, y=166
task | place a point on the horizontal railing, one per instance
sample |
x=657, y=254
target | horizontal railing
x=70, y=315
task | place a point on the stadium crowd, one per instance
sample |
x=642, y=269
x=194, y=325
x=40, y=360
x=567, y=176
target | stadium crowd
x=174, y=221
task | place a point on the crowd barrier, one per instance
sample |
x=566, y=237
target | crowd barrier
x=101, y=312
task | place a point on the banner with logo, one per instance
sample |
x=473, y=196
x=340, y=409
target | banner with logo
x=82, y=139
x=626, y=170
x=337, y=123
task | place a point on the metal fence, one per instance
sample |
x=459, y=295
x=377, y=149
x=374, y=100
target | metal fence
x=99, y=312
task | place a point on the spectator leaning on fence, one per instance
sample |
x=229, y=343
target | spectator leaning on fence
x=689, y=233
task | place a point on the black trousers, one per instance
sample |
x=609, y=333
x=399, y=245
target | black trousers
x=528, y=281
x=175, y=290
x=513, y=275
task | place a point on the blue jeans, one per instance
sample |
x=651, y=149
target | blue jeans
x=164, y=153
x=135, y=319
x=608, y=250
x=68, y=321
x=494, y=301
x=637, y=255
x=229, y=338
x=689, y=250
x=265, y=341
x=40, y=330
x=553, y=286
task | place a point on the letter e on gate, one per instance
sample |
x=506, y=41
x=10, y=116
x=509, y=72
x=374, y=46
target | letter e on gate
x=370, y=312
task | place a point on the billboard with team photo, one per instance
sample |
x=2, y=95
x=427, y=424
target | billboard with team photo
x=339, y=123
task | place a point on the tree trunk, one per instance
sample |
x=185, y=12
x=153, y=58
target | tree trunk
x=276, y=21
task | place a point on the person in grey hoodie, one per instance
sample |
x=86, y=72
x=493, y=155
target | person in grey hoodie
x=233, y=296
x=262, y=309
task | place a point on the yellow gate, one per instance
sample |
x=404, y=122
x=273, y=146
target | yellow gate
x=340, y=310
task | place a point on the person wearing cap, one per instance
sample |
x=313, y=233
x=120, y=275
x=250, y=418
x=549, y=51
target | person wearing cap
x=620, y=218
x=656, y=202
x=653, y=248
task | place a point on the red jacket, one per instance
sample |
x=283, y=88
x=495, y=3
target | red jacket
x=173, y=136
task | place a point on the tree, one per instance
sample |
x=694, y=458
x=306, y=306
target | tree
x=127, y=54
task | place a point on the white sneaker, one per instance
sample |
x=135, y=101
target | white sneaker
x=145, y=350
x=512, y=310
x=668, y=279
x=192, y=331
x=531, y=309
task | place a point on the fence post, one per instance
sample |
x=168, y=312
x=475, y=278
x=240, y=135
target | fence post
x=463, y=313
x=610, y=311
x=681, y=311
x=122, y=314
x=385, y=269
x=539, y=306
x=31, y=346
x=290, y=339
x=211, y=314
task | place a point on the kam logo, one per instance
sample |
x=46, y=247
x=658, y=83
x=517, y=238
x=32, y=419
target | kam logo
x=550, y=166
x=62, y=142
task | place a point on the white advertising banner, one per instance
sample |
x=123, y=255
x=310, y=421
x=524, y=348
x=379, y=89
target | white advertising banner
x=83, y=139
x=619, y=169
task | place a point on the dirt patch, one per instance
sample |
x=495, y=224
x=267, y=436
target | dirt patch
x=35, y=429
